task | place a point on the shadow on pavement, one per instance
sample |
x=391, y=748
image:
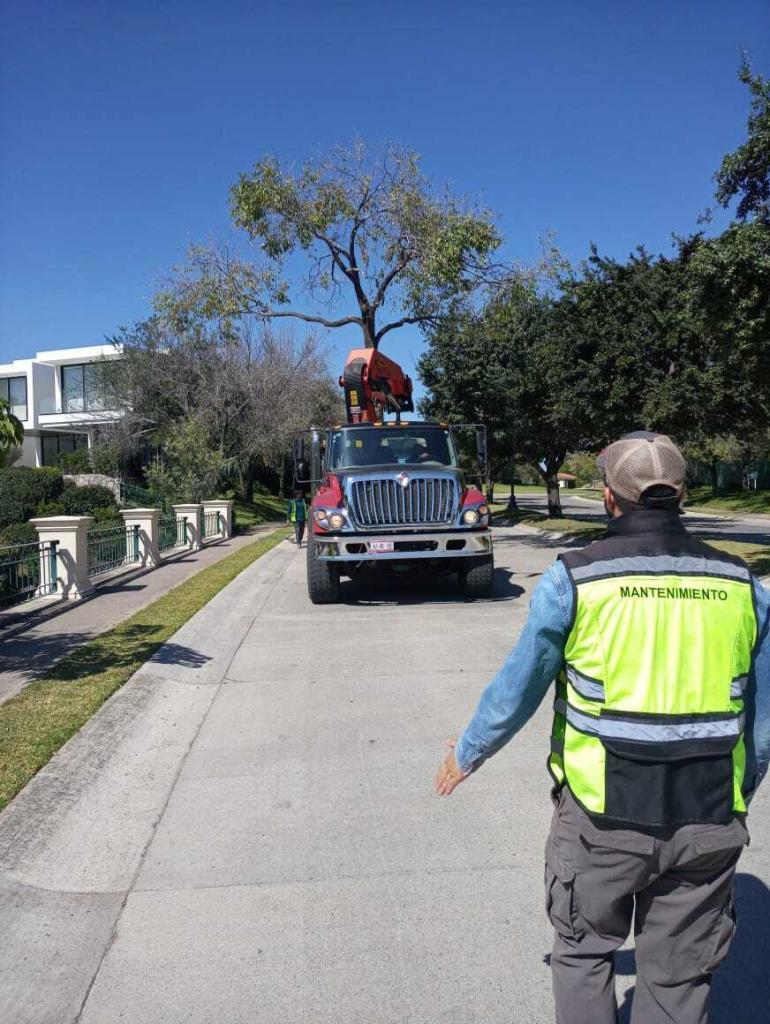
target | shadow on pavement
x=128, y=646
x=371, y=587
x=741, y=987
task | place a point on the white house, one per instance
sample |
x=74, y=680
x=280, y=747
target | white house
x=59, y=398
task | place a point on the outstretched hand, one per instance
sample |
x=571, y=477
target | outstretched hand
x=449, y=775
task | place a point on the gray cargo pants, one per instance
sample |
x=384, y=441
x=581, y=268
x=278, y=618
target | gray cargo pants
x=677, y=890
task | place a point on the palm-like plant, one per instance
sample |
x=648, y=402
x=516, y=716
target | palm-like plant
x=11, y=431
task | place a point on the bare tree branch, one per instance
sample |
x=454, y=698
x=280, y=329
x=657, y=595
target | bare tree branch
x=400, y=323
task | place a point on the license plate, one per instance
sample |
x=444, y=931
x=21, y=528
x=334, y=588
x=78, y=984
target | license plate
x=380, y=547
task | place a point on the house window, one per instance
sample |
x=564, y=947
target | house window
x=54, y=445
x=83, y=387
x=14, y=391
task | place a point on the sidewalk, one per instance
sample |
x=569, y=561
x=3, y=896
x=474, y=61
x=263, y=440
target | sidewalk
x=30, y=645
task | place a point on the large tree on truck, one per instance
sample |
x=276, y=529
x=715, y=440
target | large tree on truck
x=380, y=246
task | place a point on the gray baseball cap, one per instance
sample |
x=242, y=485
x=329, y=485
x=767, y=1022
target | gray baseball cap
x=642, y=460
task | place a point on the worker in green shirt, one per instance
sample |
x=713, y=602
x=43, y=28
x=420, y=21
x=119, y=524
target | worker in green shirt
x=296, y=513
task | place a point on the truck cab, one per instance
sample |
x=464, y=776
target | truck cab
x=393, y=495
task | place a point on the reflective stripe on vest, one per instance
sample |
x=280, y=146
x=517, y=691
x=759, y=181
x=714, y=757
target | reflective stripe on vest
x=659, y=565
x=697, y=727
x=738, y=687
x=591, y=689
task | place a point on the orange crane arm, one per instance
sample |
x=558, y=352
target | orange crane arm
x=374, y=385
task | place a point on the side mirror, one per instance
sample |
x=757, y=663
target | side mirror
x=301, y=466
x=481, y=449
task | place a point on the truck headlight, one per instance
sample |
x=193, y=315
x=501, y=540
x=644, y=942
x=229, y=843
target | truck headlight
x=470, y=517
x=336, y=520
x=320, y=516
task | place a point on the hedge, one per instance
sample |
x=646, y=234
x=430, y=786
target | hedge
x=30, y=486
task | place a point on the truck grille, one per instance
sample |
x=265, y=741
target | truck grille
x=424, y=501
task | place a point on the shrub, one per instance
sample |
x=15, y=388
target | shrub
x=30, y=486
x=106, y=457
x=89, y=500
x=85, y=499
x=13, y=511
x=18, y=533
x=75, y=462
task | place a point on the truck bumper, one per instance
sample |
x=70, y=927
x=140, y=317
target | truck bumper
x=358, y=547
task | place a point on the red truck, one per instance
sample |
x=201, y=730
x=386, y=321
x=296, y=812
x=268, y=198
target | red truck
x=391, y=494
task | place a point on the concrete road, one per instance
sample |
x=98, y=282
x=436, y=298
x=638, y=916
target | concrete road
x=247, y=834
x=751, y=528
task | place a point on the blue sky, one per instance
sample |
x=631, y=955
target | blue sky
x=122, y=126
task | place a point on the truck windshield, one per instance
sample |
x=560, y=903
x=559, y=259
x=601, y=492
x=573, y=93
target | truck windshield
x=391, y=446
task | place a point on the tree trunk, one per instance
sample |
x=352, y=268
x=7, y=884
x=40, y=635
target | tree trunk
x=554, y=497
x=490, y=492
x=714, y=475
x=370, y=331
x=247, y=482
x=512, y=505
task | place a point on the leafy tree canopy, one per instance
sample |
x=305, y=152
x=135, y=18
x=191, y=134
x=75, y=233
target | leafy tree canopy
x=374, y=236
x=11, y=431
x=745, y=173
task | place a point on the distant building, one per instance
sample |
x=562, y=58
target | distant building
x=59, y=396
x=566, y=480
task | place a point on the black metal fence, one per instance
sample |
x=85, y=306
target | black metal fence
x=111, y=548
x=27, y=571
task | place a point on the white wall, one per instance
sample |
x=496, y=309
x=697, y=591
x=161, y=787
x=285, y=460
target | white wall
x=44, y=388
x=30, y=452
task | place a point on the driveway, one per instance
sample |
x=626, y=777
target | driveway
x=754, y=529
x=247, y=834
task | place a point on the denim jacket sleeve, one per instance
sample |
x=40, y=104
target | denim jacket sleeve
x=758, y=697
x=519, y=687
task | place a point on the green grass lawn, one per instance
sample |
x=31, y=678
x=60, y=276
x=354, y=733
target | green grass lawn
x=503, y=490
x=570, y=527
x=738, y=501
x=40, y=719
x=756, y=556
x=265, y=508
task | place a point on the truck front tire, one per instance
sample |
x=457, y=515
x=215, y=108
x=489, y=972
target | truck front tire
x=476, y=578
x=323, y=578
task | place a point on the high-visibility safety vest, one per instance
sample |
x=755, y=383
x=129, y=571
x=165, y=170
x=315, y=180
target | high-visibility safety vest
x=294, y=510
x=649, y=711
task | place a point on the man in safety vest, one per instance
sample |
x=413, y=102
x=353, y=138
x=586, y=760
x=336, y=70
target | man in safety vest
x=658, y=646
x=296, y=514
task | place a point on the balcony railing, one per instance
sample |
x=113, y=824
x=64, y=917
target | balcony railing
x=67, y=407
x=27, y=571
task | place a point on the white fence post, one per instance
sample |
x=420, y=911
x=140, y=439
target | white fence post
x=192, y=513
x=224, y=509
x=147, y=520
x=71, y=536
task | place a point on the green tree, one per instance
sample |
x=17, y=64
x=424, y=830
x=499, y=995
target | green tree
x=188, y=467
x=745, y=173
x=467, y=369
x=520, y=368
x=728, y=301
x=11, y=431
x=370, y=229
